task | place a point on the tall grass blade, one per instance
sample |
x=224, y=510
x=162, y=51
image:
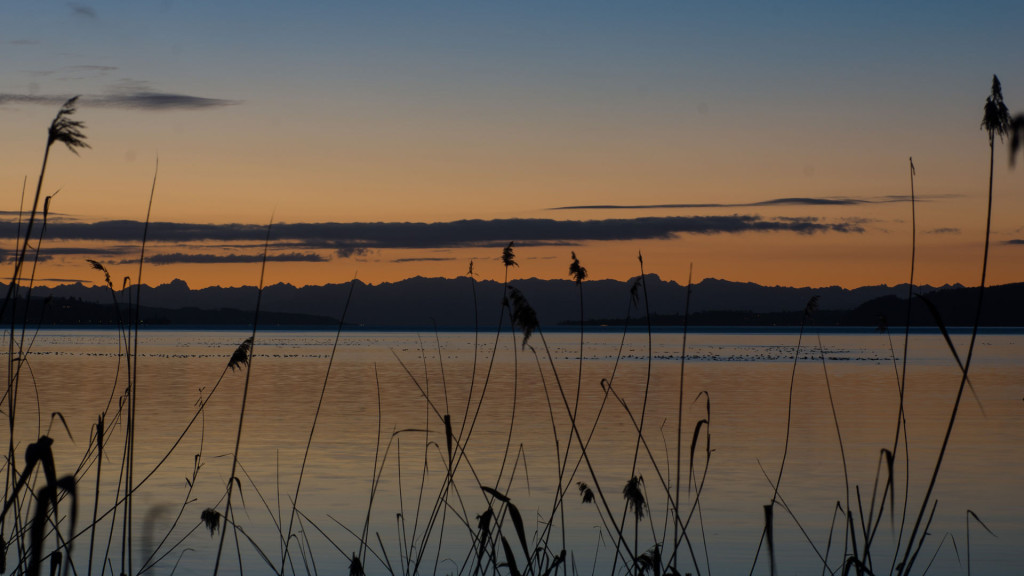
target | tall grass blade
x=693, y=448
x=510, y=558
x=245, y=395
x=448, y=438
x=967, y=522
x=517, y=523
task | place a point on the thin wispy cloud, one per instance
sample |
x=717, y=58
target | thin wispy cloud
x=355, y=238
x=943, y=231
x=404, y=260
x=180, y=258
x=8, y=258
x=1015, y=242
x=90, y=68
x=130, y=95
x=62, y=281
x=76, y=72
x=48, y=253
x=792, y=201
x=82, y=11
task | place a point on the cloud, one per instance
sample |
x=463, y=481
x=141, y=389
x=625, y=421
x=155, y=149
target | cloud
x=62, y=281
x=81, y=10
x=944, y=231
x=404, y=260
x=48, y=253
x=8, y=257
x=356, y=238
x=139, y=98
x=180, y=258
x=155, y=101
x=1015, y=242
x=76, y=72
x=90, y=68
x=13, y=214
x=794, y=201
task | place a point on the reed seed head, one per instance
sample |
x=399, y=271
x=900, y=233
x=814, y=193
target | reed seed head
x=523, y=315
x=241, y=355
x=508, y=257
x=64, y=129
x=586, y=492
x=811, y=307
x=996, y=120
x=578, y=273
x=211, y=518
x=634, y=496
x=106, y=275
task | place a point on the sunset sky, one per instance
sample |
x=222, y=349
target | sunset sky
x=763, y=142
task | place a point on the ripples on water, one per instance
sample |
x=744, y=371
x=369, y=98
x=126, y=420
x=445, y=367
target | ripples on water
x=746, y=376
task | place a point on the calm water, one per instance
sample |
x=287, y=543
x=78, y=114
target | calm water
x=388, y=391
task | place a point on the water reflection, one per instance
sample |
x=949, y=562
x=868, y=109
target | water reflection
x=381, y=421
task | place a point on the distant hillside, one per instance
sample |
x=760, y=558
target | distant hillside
x=956, y=307
x=449, y=302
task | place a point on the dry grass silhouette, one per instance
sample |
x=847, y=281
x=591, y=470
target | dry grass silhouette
x=478, y=513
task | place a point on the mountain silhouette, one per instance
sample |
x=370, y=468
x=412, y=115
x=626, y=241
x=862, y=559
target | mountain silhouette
x=449, y=302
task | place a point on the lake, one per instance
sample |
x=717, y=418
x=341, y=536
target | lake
x=380, y=449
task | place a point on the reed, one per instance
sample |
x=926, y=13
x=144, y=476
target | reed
x=996, y=122
x=248, y=352
x=457, y=505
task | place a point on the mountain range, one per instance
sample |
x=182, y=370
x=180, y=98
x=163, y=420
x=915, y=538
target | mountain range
x=461, y=302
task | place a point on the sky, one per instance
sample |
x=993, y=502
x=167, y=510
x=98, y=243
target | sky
x=759, y=142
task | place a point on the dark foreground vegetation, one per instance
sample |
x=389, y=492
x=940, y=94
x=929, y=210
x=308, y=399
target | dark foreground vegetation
x=44, y=528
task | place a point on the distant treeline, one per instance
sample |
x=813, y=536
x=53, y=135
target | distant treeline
x=1003, y=306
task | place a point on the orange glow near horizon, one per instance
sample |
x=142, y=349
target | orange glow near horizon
x=374, y=120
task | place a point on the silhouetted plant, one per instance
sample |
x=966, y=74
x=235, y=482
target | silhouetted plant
x=523, y=315
x=578, y=273
x=996, y=121
x=508, y=257
x=240, y=357
x=106, y=275
x=650, y=561
x=634, y=496
x=211, y=519
x=62, y=129
x=636, y=502
x=585, y=492
x=355, y=568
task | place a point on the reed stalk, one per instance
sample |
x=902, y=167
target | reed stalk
x=996, y=121
x=245, y=394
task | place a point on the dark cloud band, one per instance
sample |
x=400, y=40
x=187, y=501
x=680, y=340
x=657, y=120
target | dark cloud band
x=357, y=237
x=404, y=260
x=180, y=258
x=140, y=100
x=795, y=201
